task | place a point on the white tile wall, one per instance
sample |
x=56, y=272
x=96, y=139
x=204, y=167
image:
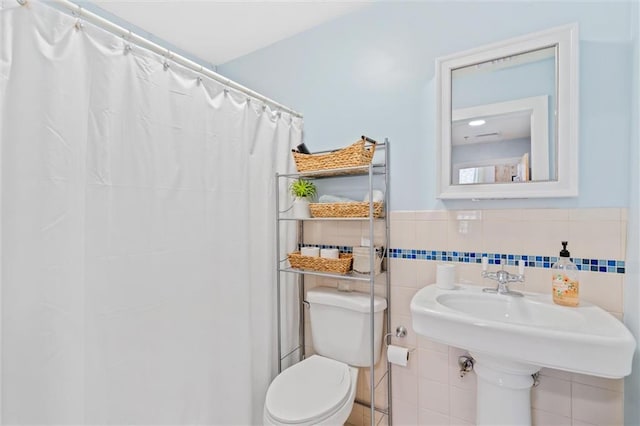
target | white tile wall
x=463, y=405
x=432, y=418
x=597, y=406
x=433, y=396
x=429, y=391
x=540, y=417
x=552, y=395
x=433, y=365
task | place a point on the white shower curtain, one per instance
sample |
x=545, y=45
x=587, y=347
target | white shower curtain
x=137, y=231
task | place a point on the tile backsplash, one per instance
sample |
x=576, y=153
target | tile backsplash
x=429, y=390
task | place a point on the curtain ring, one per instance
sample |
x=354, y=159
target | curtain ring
x=200, y=71
x=167, y=57
x=126, y=38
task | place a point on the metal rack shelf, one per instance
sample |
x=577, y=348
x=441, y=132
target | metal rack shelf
x=334, y=219
x=343, y=172
x=369, y=171
x=351, y=276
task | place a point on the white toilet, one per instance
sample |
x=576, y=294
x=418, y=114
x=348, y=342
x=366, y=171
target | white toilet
x=321, y=389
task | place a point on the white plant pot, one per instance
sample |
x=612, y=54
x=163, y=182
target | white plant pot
x=300, y=209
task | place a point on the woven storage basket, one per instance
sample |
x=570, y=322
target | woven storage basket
x=338, y=266
x=354, y=155
x=354, y=209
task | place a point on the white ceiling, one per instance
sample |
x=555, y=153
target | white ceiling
x=219, y=31
x=501, y=127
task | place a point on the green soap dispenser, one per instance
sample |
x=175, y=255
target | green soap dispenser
x=564, y=280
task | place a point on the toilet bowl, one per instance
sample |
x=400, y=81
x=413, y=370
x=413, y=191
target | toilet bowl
x=321, y=389
x=316, y=391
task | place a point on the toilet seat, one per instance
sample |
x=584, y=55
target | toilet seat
x=310, y=391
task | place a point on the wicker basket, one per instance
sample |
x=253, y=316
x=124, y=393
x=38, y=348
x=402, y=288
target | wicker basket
x=354, y=155
x=338, y=266
x=354, y=209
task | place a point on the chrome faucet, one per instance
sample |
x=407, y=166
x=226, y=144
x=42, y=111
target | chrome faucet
x=503, y=278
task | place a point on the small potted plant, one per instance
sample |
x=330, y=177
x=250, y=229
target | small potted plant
x=303, y=190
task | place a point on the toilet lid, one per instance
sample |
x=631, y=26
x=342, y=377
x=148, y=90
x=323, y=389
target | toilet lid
x=314, y=388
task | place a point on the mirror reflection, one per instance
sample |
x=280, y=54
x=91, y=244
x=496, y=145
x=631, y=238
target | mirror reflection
x=503, y=119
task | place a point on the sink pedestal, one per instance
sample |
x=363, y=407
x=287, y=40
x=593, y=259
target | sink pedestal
x=503, y=391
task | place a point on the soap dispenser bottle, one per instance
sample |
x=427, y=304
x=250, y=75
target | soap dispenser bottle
x=565, y=280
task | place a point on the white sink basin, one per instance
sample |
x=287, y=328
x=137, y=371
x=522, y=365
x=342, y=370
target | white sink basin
x=530, y=330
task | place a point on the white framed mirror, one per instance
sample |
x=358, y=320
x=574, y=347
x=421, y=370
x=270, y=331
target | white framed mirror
x=508, y=118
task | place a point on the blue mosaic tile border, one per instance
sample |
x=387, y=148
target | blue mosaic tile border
x=532, y=261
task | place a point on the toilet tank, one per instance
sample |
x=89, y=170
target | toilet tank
x=341, y=325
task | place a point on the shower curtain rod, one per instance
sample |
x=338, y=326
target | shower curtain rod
x=167, y=53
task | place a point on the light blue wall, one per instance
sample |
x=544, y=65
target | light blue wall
x=372, y=72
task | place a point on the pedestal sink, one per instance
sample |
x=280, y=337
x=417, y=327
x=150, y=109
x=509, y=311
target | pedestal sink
x=511, y=338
